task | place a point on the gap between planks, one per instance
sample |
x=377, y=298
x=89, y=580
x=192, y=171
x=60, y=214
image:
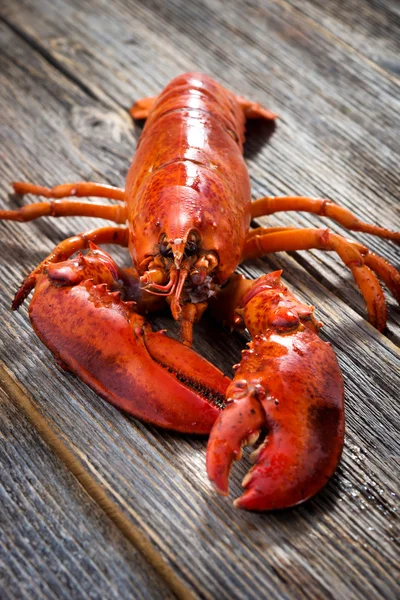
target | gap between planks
x=22, y=398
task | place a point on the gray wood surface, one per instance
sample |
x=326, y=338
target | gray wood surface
x=69, y=70
x=55, y=541
x=370, y=28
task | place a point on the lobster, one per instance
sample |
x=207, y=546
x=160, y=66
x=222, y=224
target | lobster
x=186, y=211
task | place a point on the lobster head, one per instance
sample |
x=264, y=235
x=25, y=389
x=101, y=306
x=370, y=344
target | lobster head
x=181, y=252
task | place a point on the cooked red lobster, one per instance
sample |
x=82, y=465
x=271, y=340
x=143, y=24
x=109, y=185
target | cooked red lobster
x=186, y=210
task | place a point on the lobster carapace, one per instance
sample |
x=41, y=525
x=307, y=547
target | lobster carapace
x=186, y=211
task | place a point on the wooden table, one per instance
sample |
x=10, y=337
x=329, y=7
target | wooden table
x=96, y=504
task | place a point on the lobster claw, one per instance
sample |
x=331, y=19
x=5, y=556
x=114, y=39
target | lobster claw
x=288, y=389
x=99, y=337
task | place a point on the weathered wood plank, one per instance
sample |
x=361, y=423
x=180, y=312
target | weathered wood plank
x=371, y=28
x=55, y=542
x=158, y=479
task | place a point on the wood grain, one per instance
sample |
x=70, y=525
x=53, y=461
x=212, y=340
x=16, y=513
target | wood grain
x=55, y=541
x=69, y=73
x=371, y=28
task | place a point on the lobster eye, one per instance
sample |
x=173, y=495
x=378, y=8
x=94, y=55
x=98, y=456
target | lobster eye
x=165, y=251
x=190, y=248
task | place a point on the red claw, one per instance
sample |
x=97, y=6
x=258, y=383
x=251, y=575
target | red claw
x=110, y=347
x=288, y=389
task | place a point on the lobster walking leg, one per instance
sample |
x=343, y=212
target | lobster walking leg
x=63, y=208
x=66, y=208
x=68, y=247
x=142, y=107
x=288, y=387
x=306, y=239
x=386, y=272
x=319, y=206
x=191, y=314
x=252, y=110
x=78, y=189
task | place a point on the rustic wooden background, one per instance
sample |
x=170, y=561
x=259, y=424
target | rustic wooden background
x=95, y=504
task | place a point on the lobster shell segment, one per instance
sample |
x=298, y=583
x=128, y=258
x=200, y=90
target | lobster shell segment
x=288, y=389
x=101, y=338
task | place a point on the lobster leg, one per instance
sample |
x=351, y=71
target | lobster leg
x=252, y=110
x=288, y=388
x=319, y=206
x=191, y=314
x=351, y=254
x=384, y=270
x=62, y=208
x=78, y=189
x=78, y=312
x=142, y=107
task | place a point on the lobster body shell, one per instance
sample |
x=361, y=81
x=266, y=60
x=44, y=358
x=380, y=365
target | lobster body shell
x=188, y=173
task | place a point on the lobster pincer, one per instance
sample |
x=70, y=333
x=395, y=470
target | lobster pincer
x=288, y=392
x=101, y=337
